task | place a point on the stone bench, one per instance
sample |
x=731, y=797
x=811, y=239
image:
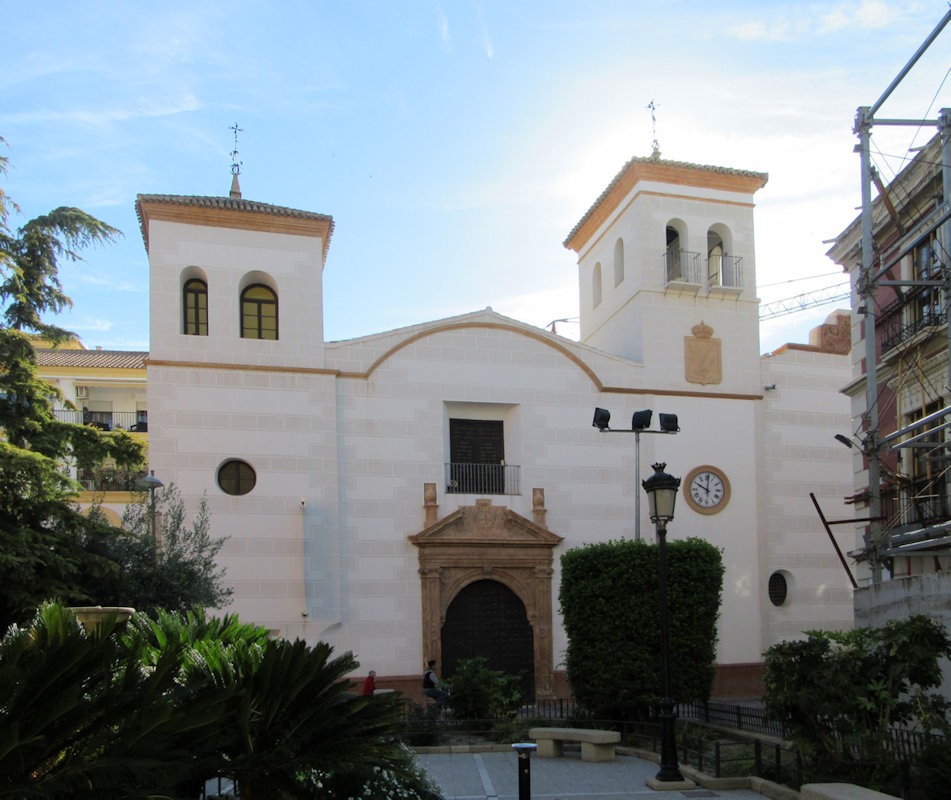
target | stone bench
x=840, y=791
x=595, y=745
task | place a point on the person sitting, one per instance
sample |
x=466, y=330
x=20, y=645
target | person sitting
x=431, y=686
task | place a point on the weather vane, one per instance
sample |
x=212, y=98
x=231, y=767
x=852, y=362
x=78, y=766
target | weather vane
x=655, y=145
x=235, y=164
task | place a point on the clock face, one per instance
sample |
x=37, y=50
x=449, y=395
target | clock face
x=707, y=490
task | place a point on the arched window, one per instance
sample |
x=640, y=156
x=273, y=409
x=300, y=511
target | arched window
x=618, y=262
x=258, y=313
x=195, y=307
x=596, y=286
x=236, y=477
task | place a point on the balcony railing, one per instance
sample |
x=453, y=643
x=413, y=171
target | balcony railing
x=482, y=478
x=683, y=265
x=900, y=320
x=135, y=421
x=110, y=480
x=921, y=504
x=725, y=271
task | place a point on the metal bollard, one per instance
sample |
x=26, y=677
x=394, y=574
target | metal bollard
x=524, y=750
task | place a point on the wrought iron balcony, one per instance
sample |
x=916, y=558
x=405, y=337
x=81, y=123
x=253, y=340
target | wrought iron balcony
x=135, y=421
x=725, y=271
x=918, y=505
x=683, y=266
x=110, y=479
x=482, y=478
x=918, y=309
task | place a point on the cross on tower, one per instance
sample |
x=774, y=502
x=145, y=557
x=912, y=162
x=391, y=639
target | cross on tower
x=655, y=145
x=235, y=164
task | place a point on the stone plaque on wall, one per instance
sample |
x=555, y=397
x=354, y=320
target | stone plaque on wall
x=703, y=360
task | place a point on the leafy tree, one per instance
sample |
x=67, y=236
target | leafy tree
x=610, y=605
x=44, y=541
x=175, y=571
x=839, y=693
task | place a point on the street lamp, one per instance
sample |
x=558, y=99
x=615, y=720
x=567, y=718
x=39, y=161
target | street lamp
x=640, y=422
x=151, y=483
x=661, y=491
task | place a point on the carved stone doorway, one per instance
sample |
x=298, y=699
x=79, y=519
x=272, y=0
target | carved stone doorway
x=489, y=543
x=487, y=619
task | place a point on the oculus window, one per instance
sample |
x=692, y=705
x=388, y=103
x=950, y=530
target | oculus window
x=236, y=477
x=778, y=589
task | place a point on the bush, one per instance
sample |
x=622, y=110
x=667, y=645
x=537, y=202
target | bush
x=609, y=601
x=477, y=692
x=934, y=769
x=838, y=694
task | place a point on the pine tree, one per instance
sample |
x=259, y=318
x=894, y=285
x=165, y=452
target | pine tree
x=45, y=543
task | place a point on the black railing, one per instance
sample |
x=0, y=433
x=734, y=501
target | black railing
x=732, y=715
x=135, y=421
x=917, y=310
x=725, y=271
x=918, y=505
x=683, y=265
x=109, y=480
x=482, y=478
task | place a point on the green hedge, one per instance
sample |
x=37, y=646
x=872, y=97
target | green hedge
x=611, y=610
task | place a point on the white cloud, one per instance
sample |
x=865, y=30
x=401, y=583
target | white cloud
x=871, y=14
x=95, y=325
x=759, y=31
x=442, y=23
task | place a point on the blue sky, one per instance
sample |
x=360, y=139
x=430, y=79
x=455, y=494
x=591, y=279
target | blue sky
x=455, y=143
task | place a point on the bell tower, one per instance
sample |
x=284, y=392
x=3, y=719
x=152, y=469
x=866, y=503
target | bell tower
x=667, y=247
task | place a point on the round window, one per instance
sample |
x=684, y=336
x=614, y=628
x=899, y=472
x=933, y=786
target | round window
x=778, y=589
x=236, y=477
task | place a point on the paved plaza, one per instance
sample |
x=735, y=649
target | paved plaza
x=494, y=776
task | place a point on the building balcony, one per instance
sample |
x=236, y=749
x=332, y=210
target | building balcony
x=110, y=479
x=903, y=319
x=683, y=266
x=134, y=421
x=725, y=272
x=482, y=478
x=920, y=505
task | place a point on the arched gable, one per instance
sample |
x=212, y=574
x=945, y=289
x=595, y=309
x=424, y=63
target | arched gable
x=500, y=326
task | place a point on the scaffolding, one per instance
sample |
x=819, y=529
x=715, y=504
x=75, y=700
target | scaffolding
x=907, y=506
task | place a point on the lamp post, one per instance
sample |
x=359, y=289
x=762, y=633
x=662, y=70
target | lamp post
x=661, y=491
x=640, y=422
x=152, y=483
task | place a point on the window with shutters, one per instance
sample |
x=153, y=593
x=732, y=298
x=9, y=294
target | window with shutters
x=477, y=458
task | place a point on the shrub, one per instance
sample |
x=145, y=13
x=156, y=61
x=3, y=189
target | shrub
x=609, y=602
x=839, y=693
x=477, y=692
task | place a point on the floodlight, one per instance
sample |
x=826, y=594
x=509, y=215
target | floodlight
x=601, y=419
x=641, y=420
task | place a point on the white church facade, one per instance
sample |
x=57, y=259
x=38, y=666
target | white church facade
x=408, y=495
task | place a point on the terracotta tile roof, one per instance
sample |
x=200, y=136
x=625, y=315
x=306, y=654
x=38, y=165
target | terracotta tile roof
x=116, y=359
x=228, y=204
x=651, y=161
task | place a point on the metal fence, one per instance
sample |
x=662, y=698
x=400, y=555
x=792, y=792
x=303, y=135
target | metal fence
x=732, y=715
